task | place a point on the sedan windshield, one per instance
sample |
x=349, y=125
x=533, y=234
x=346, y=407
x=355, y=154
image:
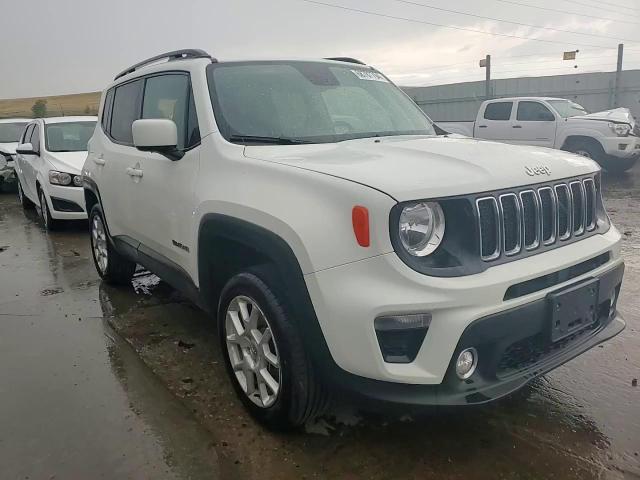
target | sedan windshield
x=309, y=102
x=68, y=136
x=567, y=108
x=10, y=132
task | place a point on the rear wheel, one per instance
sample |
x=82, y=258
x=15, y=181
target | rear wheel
x=264, y=354
x=112, y=267
x=48, y=221
x=24, y=201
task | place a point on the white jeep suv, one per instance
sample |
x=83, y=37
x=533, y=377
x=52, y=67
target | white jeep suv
x=48, y=165
x=343, y=243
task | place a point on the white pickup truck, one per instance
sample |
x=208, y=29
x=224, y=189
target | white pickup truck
x=611, y=137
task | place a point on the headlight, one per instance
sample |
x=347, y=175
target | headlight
x=421, y=228
x=60, y=178
x=620, y=129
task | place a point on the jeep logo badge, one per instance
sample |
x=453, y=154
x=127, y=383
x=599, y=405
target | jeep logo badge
x=537, y=170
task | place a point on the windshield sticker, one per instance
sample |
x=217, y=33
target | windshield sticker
x=367, y=75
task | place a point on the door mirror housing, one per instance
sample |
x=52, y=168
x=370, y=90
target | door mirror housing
x=26, y=149
x=157, y=135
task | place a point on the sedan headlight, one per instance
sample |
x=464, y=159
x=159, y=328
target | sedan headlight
x=620, y=129
x=64, y=179
x=421, y=228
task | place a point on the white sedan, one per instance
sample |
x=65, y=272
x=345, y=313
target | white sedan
x=48, y=165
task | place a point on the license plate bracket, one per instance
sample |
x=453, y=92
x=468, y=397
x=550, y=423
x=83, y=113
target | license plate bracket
x=573, y=308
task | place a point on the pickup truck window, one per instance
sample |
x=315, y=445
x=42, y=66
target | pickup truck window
x=534, y=112
x=567, y=108
x=309, y=102
x=498, y=111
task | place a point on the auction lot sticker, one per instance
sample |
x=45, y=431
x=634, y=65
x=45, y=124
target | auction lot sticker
x=368, y=75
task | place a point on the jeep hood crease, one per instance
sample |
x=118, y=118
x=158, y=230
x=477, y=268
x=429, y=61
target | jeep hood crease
x=411, y=168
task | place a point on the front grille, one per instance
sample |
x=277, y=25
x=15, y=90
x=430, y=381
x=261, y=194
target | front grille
x=526, y=220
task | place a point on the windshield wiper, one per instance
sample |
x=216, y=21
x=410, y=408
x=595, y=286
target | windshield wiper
x=267, y=140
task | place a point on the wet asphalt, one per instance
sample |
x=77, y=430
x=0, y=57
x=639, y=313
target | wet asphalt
x=100, y=382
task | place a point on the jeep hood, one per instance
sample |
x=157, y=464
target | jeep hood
x=619, y=115
x=410, y=167
x=70, y=162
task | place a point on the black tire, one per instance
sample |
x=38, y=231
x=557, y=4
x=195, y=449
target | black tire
x=116, y=270
x=22, y=198
x=301, y=395
x=586, y=148
x=48, y=221
x=617, y=165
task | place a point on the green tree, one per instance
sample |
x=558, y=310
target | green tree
x=39, y=109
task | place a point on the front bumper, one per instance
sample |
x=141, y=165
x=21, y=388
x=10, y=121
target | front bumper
x=622, y=147
x=66, y=203
x=513, y=350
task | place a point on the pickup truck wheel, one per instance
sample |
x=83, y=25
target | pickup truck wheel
x=264, y=354
x=112, y=267
x=592, y=150
x=617, y=165
x=24, y=201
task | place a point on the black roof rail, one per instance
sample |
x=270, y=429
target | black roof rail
x=346, y=59
x=175, y=55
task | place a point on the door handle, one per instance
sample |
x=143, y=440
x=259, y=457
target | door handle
x=99, y=160
x=516, y=126
x=482, y=126
x=134, y=172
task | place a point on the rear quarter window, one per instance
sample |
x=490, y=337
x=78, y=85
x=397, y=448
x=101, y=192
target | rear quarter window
x=498, y=111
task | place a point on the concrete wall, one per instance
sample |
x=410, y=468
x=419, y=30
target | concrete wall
x=594, y=91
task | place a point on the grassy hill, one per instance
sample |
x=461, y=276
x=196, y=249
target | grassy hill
x=76, y=104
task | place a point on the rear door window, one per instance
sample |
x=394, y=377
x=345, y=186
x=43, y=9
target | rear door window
x=498, y=111
x=533, y=112
x=106, y=111
x=125, y=110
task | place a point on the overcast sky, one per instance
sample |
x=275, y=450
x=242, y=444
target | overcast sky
x=52, y=47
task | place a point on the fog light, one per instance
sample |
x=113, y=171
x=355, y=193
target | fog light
x=401, y=336
x=466, y=363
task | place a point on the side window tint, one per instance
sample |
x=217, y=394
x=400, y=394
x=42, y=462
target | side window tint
x=193, y=129
x=125, y=110
x=35, y=138
x=498, y=111
x=167, y=96
x=534, y=112
x=106, y=111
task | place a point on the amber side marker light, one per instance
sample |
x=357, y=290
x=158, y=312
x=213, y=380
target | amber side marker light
x=360, y=219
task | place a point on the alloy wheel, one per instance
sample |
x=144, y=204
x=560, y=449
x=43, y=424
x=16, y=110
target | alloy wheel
x=252, y=351
x=99, y=243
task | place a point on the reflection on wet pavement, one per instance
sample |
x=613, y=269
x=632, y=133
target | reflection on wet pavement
x=76, y=395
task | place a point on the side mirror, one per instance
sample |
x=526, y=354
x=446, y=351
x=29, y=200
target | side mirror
x=157, y=135
x=26, y=149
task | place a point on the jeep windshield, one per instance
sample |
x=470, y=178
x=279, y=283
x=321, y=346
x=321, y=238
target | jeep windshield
x=10, y=132
x=288, y=103
x=567, y=108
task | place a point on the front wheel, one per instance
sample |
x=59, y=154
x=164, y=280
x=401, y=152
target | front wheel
x=617, y=165
x=48, y=221
x=112, y=267
x=264, y=355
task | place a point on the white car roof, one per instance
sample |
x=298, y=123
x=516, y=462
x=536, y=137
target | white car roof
x=511, y=99
x=79, y=118
x=15, y=120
